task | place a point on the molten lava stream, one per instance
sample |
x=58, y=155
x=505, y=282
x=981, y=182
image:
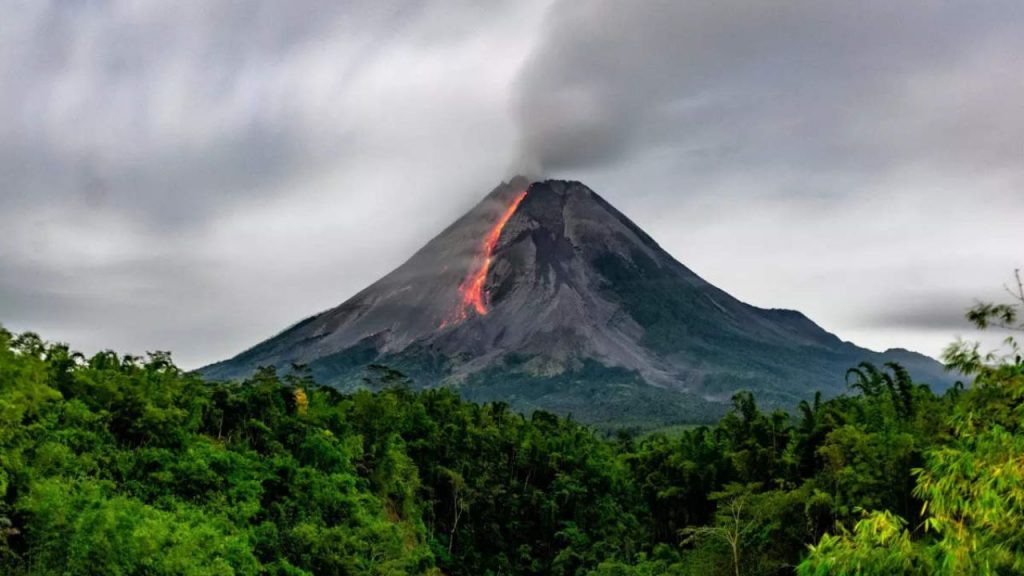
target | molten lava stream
x=472, y=288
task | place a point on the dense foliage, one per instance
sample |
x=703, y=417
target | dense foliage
x=972, y=483
x=121, y=465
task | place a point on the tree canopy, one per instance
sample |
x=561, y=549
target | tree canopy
x=116, y=464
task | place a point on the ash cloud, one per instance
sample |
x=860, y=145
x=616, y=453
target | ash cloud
x=833, y=86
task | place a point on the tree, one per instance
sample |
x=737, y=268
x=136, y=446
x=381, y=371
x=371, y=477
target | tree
x=734, y=523
x=966, y=358
x=879, y=545
x=972, y=485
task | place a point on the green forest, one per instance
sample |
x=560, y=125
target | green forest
x=121, y=465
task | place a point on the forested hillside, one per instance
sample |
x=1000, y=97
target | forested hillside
x=124, y=465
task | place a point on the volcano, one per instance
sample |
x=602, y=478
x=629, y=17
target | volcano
x=544, y=296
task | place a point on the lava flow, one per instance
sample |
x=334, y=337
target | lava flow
x=472, y=288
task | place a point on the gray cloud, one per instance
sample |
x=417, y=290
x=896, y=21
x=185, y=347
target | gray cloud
x=172, y=111
x=169, y=167
x=196, y=175
x=827, y=85
x=939, y=312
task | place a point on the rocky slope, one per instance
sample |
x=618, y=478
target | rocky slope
x=545, y=296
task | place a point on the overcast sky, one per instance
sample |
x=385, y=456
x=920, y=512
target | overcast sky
x=196, y=175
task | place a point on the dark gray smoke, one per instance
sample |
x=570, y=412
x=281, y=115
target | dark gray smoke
x=839, y=85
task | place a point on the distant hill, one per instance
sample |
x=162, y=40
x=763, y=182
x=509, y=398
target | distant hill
x=546, y=296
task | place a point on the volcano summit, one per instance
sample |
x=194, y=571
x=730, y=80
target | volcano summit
x=545, y=296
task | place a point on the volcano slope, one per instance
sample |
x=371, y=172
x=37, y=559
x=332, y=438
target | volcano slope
x=544, y=296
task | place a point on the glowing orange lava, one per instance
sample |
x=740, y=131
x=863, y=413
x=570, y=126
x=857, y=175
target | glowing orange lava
x=472, y=288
